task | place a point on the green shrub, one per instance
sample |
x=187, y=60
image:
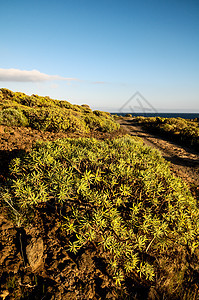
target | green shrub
x=101, y=113
x=120, y=197
x=1, y=95
x=86, y=106
x=7, y=93
x=65, y=104
x=109, y=126
x=86, y=109
x=93, y=121
x=12, y=117
x=55, y=120
x=184, y=130
x=101, y=123
x=53, y=115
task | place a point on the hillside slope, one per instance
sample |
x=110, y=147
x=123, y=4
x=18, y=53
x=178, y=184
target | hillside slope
x=43, y=113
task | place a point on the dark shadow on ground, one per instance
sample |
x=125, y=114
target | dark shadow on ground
x=182, y=161
x=5, y=158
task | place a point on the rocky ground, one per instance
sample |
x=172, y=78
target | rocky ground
x=34, y=262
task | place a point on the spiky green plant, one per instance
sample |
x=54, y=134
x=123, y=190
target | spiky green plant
x=119, y=196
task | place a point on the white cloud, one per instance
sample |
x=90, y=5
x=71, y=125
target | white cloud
x=16, y=75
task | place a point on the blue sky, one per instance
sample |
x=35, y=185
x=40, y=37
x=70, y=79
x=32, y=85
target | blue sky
x=102, y=52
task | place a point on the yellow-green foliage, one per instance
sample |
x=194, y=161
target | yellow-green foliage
x=102, y=122
x=182, y=129
x=53, y=115
x=118, y=195
x=55, y=120
x=12, y=117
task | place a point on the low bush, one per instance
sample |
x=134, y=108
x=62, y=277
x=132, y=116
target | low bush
x=55, y=120
x=101, y=113
x=12, y=117
x=101, y=123
x=185, y=131
x=53, y=115
x=119, y=196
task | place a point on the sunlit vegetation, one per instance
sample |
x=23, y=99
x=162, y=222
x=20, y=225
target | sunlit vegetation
x=44, y=113
x=13, y=117
x=119, y=196
x=186, y=131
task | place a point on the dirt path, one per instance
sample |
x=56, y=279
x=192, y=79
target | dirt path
x=184, y=161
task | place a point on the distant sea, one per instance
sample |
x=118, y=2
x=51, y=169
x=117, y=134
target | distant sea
x=162, y=115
